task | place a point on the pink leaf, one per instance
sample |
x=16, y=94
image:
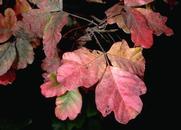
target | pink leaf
x=52, y=88
x=51, y=37
x=34, y=21
x=136, y=2
x=80, y=68
x=68, y=105
x=156, y=22
x=119, y=91
x=8, y=77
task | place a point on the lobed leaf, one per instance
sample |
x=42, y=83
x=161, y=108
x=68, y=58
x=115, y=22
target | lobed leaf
x=68, y=105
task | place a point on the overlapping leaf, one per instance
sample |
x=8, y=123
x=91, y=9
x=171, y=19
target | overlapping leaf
x=7, y=22
x=22, y=6
x=8, y=77
x=136, y=2
x=25, y=53
x=119, y=91
x=51, y=37
x=49, y=5
x=156, y=22
x=136, y=21
x=52, y=88
x=85, y=68
x=7, y=56
x=68, y=105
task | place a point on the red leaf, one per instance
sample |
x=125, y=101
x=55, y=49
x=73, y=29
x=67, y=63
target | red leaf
x=141, y=34
x=8, y=77
x=136, y=2
x=156, y=22
x=7, y=22
x=119, y=91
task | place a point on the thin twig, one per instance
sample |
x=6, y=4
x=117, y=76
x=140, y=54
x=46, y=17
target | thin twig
x=105, y=54
x=85, y=19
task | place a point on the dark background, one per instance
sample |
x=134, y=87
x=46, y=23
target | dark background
x=23, y=103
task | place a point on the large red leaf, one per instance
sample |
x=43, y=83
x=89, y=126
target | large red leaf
x=156, y=22
x=68, y=105
x=119, y=91
x=141, y=34
x=7, y=22
x=136, y=2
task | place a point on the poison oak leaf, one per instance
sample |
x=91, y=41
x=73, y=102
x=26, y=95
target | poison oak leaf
x=127, y=59
x=80, y=68
x=141, y=34
x=68, y=105
x=119, y=91
x=34, y=22
x=49, y=5
x=51, y=37
x=114, y=16
x=7, y=56
x=25, y=53
x=136, y=2
x=156, y=22
x=52, y=88
x=22, y=6
x=7, y=22
x=84, y=68
x=8, y=77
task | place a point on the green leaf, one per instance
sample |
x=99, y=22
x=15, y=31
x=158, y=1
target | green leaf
x=7, y=56
x=68, y=105
x=49, y=5
x=25, y=53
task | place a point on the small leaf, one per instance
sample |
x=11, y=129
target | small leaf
x=8, y=77
x=156, y=22
x=25, y=53
x=22, y=6
x=7, y=56
x=119, y=91
x=68, y=105
x=49, y=5
x=136, y=2
x=52, y=88
x=7, y=22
